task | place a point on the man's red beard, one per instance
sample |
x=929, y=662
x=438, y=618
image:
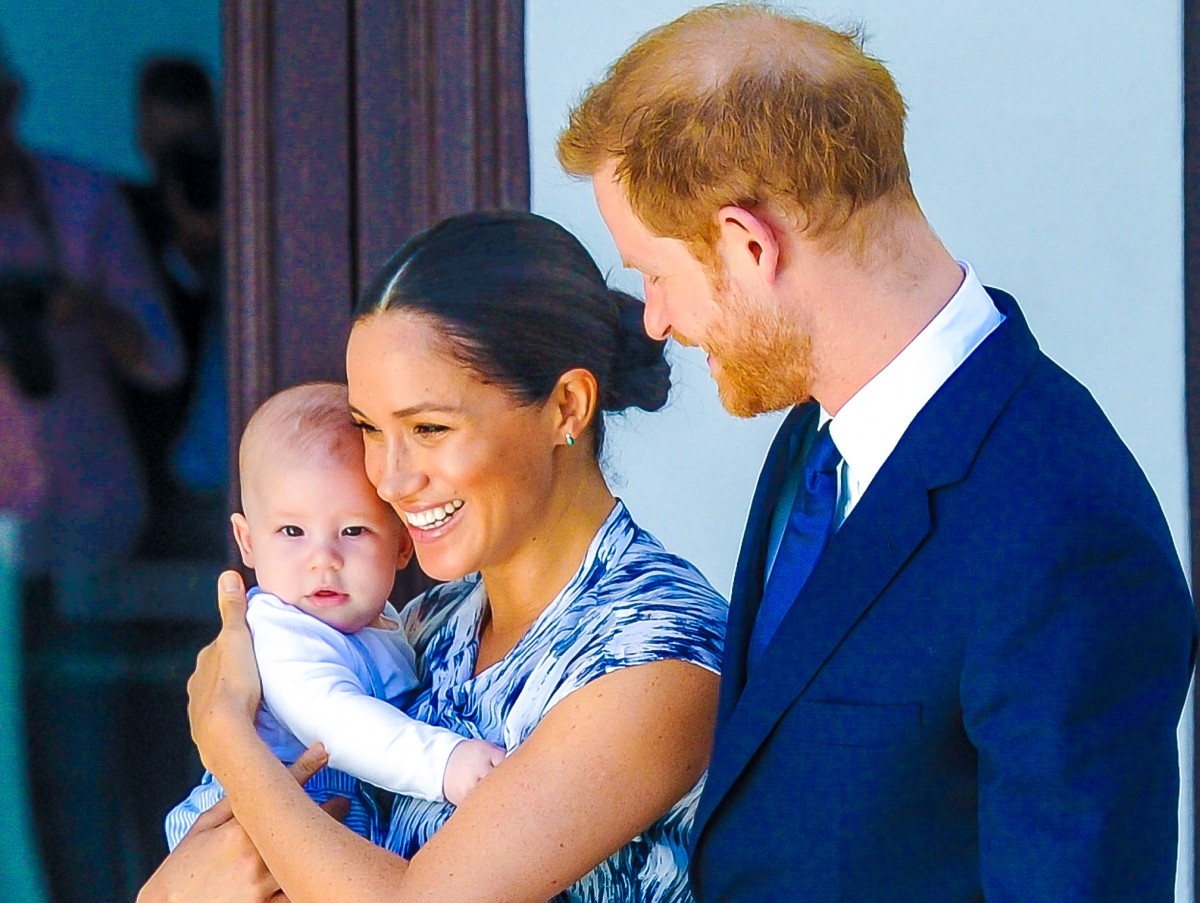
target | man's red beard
x=764, y=360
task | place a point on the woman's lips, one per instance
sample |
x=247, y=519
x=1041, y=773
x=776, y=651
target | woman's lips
x=428, y=526
x=432, y=518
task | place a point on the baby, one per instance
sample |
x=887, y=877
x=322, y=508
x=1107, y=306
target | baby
x=334, y=663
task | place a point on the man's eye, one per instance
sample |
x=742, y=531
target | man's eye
x=291, y=530
x=354, y=531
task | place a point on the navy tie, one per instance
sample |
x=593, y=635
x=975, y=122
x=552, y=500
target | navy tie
x=808, y=528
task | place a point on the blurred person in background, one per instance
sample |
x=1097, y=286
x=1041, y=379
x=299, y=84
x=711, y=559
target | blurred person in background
x=81, y=305
x=80, y=311
x=178, y=215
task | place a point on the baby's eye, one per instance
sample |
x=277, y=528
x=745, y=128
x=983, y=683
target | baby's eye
x=291, y=530
x=354, y=531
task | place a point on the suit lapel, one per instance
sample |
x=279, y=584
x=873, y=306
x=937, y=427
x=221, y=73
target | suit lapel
x=863, y=557
x=748, y=578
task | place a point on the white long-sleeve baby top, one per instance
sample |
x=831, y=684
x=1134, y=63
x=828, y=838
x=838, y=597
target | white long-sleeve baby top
x=345, y=690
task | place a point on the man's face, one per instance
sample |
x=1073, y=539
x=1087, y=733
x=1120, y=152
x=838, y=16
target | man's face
x=160, y=123
x=760, y=360
x=679, y=297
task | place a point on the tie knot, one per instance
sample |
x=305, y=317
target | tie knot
x=824, y=456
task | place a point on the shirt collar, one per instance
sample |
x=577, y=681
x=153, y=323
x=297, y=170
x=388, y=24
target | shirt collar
x=871, y=423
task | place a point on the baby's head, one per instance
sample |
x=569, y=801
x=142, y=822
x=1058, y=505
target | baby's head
x=313, y=528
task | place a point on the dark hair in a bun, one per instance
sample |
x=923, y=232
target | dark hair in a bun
x=641, y=376
x=521, y=302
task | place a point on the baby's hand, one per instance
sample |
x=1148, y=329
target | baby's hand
x=469, y=762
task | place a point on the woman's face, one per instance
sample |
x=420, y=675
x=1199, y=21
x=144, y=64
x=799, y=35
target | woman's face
x=465, y=466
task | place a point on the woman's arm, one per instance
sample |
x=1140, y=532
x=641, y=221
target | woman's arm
x=216, y=861
x=603, y=765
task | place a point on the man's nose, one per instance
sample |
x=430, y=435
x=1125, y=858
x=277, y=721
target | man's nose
x=654, y=315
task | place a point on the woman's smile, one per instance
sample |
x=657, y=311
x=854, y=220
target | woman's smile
x=429, y=519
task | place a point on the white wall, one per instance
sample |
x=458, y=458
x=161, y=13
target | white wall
x=1045, y=141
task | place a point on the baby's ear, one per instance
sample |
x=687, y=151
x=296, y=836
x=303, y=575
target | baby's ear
x=241, y=533
x=405, y=553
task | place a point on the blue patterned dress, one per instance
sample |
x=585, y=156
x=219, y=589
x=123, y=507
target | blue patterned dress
x=630, y=603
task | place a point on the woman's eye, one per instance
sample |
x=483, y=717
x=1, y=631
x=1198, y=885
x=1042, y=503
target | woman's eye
x=354, y=531
x=291, y=530
x=429, y=429
x=365, y=427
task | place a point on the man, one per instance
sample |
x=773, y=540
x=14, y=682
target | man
x=974, y=690
x=178, y=214
x=174, y=101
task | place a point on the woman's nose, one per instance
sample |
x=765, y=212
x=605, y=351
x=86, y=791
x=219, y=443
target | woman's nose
x=396, y=477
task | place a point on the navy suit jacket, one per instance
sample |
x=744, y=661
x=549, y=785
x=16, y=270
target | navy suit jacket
x=976, y=693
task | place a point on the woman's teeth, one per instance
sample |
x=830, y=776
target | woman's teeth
x=432, y=517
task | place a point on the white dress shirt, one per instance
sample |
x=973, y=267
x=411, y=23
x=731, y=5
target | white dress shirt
x=871, y=423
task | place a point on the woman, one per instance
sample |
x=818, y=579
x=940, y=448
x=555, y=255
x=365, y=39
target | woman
x=482, y=361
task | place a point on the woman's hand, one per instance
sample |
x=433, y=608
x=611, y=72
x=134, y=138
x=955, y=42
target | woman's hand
x=214, y=863
x=224, y=691
x=217, y=863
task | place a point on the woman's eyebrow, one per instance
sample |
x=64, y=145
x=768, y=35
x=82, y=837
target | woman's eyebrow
x=424, y=407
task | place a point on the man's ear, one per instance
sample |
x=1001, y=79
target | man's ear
x=748, y=244
x=241, y=534
x=405, y=553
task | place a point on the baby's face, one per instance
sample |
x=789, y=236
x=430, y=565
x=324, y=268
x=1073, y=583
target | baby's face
x=319, y=538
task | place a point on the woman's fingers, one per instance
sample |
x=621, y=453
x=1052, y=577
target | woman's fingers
x=224, y=690
x=313, y=760
x=231, y=599
x=211, y=865
x=216, y=815
x=310, y=762
x=338, y=807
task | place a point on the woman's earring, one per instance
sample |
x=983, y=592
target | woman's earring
x=570, y=439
